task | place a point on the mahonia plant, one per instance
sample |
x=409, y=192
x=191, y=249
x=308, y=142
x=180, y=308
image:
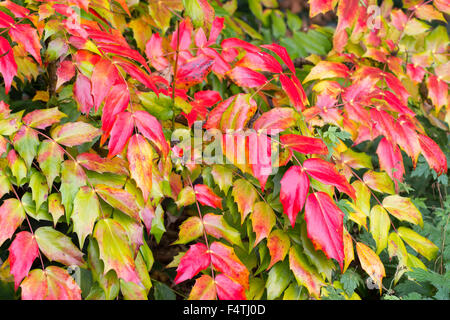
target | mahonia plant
x=89, y=180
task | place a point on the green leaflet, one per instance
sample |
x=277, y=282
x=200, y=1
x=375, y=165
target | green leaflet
x=86, y=210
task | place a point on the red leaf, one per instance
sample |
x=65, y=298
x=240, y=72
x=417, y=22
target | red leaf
x=245, y=77
x=207, y=197
x=433, y=154
x=137, y=73
x=140, y=158
x=276, y=119
x=82, y=93
x=240, y=44
x=406, y=137
x=294, y=92
x=12, y=215
x=27, y=36
x=282, y=53
x=260, y=156
x=324, y=223
x=225, y=260
x=260, y=61
x=325, y=172
x=65, y=72
x=437, y=91
x=293, y=192
x=104, y=75
x=154, y=52
x=391, y=160
x=227, y=289
x=120, y=133
x=196, y=259
x=194, y=71
x=216, y=29
x=5, y=20
x=319, y=6
x=8, y=66
x=416, y=73
x=22, y=252
x=302, y=144
x=116, y=102
x=150, y=128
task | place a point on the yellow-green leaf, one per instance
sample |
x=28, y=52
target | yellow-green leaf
x=419, y=243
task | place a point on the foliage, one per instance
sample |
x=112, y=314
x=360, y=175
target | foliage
x=97, y=167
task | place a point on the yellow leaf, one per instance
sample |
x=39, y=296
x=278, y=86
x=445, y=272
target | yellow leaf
x=421, y=244
x=371, y=263
x=42, y=96
x=379, y=227
x=403, y=209
x=396, y=247
x=349, y=254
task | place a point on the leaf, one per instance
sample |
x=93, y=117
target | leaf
x=245, y=196
x=263, y=220
x=216, y=226
x=116, y=102
x=325, y=172
x=276, y=119
x=119, y=199
x=207, y=197
x=324, y=222
x=379, y=227
x=26, y=143
x=419, y=243
x=223, y=177
x=140, y=158
x=39, y=189
x=303, y=144
x=293, y=192
x=27, y=36
x=224, y=259
x=94, y=162
x=260, y=61
x=162, y=11
x=86, y=210
x=203, y=289
x=327, y=69
x=228, y=289
x=238, y=114
x=75, y=133
x=17, y=166
x=194, y=71
x=349, y=254
x=115, y=250
x=103, y=77
x=82, y=93
x=371, y=263
x=362, y=201
x=12, y=215
x=379, y=181
x=22, y=252
x=282, y=53
x=278, y=280
x=58, y=247
x=132, y=291
x=43, y=118
x=150, y=128
x=245, y=77
x=278, y=244
x=53, y=283
x=304, y=273
x=391, y=160
x=294, y=91
x=190, y=229
x=320, y=6
x=154, y=52
x=65, y=72
x=403, y=209
x=8, y=66
x=196, y=259
x=55, y=207
x=396, y=247
x=433, y=154
x=72, y=178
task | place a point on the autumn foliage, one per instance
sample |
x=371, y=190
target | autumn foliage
x=91, y=177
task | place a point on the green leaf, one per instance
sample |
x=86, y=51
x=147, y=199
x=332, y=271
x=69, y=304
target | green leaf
x=278, y=280
x=50, y=155
x=56, y=246
x=72, y=179
x=86, y=210
x=26, y=142
x=158, y=228
x=39, y=188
